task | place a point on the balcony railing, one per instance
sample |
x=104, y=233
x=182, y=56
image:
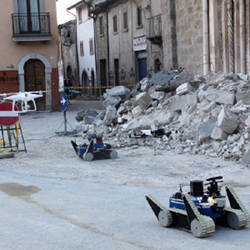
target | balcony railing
x=155, y=29
x=31, y=27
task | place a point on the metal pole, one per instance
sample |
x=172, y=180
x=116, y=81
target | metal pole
x=65, y=122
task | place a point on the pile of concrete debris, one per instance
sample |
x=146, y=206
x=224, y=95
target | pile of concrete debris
x=177, y=111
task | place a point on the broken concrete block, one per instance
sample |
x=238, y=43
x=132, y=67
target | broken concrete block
x=144, y=84
x=137, y=111
x=179, y=79
x=111, y=101
x=121, y=109
x=205, y=130
x=110, y=115
x=143, y=99
x=246, y=157
x=155, y=125
x=242, y=76
x=157, y=95
x=216, y=145
x=243, y=96
x=218, y=134
x=247, y=121
x=118, y=91
x=227, y=121
x=179, y=101
x=220, y=96
x=183, y=89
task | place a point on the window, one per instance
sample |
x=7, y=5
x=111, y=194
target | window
x=91, y=46
x=79, y=14
x=125, y=21
x=101, y=25
x=81, y=49
x=115, y=28
x=139, y=17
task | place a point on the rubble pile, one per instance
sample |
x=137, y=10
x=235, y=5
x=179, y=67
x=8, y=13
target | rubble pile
x=177, y=111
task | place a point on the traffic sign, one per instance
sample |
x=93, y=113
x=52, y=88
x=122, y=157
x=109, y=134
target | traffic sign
x=8, y=116
x=63, y=101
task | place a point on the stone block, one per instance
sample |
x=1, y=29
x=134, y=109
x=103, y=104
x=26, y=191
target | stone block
x=137, y=111
x=111, y=101
x=247, y=121
x=244, y=97
x=218, y=134
x=178, y=102
x=227, y=121
x=157, y=95
x=183, y=89
x=220, y=96
x=118, y=91
x=243, y=77
x=205, y=131
x=143, y=100
x=110, y=115
x=144, y=84
x=246, y=157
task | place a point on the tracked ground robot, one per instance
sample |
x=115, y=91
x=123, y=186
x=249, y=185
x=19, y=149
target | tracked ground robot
x=199, y=211
x=95, y=150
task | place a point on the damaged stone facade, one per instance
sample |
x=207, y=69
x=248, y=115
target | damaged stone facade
x=69, y=53
x=201, y=36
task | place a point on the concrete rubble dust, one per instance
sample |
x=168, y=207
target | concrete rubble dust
x=173, y=110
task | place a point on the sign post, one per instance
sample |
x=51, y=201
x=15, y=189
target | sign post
x=64, y=105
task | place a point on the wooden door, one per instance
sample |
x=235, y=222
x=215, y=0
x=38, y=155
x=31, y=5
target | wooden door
x=34, y=76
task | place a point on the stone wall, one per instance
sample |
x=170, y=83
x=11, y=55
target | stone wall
x=182, y=34
x=189, y=35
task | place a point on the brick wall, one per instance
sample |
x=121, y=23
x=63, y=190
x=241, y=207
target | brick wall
x=9, y=81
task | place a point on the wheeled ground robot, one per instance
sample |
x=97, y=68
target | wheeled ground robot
x=96, y=150
x=198, y=211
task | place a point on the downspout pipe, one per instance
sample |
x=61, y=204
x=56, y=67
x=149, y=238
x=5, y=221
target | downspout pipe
x=242, y=37
x=205, y=27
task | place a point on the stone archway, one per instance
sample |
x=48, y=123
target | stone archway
x=48, y=70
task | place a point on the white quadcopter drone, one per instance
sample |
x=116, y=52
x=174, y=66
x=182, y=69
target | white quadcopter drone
x=23, y=98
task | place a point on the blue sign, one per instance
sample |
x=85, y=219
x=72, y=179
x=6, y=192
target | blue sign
x=63, y=101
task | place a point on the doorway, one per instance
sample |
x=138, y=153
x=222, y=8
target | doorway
x=117, y=77
x=142, y=68
x=103, y=74
x=34, y=78
x=85, y=81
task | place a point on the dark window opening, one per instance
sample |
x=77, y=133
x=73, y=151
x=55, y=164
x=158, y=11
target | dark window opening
x=115, y=28
x=139, y=16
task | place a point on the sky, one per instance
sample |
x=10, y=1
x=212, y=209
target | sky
x=61, y=6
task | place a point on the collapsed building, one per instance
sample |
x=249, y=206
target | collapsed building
x=175, y=110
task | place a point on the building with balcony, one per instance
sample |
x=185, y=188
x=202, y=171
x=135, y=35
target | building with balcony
x=29, y=49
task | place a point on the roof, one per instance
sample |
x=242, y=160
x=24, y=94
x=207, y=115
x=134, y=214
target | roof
x=79, y=3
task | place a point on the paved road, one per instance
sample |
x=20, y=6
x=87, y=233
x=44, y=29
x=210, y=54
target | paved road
x=55, y=213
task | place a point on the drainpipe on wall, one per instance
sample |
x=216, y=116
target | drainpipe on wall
x=242, y=37
x=108, y=59
x=230, y=34
x=205, y=26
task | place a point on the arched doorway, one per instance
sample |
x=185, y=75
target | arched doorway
x=93, y=82
x=34, y=78
x=85, y=81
